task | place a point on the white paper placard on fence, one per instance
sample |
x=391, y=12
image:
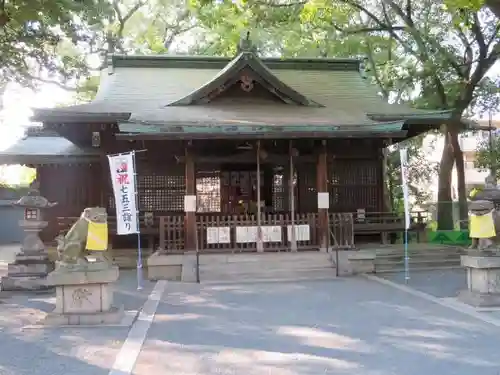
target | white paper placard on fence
x=212, y=235
x=190, y=203
x=323, y=200
x=224, y=235
x=218, y=235
x=302, y=232
x=246, y=234
x=124, y=190
x=271, y=234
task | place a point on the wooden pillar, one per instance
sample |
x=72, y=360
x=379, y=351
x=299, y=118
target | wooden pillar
x=190, y=241
x=323, y=197
x=293, y=239
x=386, y=204
x=260, y=246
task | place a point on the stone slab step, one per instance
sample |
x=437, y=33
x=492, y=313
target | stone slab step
x=266, y=265
x=429, y=265
x=417, y=259
x=421, y=253
x=311, y=274
x=419, y=268
x=262, y=258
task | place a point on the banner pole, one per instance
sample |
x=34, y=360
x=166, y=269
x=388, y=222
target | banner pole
x=138, y=224
x=406, y=200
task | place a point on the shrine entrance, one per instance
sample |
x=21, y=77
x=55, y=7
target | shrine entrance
x=233, y=188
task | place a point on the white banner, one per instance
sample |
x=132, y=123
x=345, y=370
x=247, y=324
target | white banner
x=124, y=190
x=403, y=153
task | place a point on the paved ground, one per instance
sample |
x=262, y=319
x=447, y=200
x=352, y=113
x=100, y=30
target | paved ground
x=439, y=283
x=337, y=327
x=354, y=326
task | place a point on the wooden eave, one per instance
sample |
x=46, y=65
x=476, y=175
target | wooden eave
x=192, y=132
x=41, y=160
x=259, y=72
x=41, y=146
x=67, y=115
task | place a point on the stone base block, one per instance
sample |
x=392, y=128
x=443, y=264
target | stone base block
x=113, y=316
x=479, y=299
x=165, y=267
x=28, y=266
x=354, y=262
x=84, y=296
x=483, y=281
x=188, y=271
x=88, y=274
x=28, y=283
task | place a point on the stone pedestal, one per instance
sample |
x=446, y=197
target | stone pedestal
x=483, y=280
x=31, y=266
x=84, y=296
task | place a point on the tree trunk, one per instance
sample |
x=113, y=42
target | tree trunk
x=462, y=189
x=444, y=204
x=387, y=201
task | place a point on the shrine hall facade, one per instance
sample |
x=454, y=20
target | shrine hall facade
x=259, y=142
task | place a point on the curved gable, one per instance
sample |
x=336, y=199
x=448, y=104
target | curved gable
x=246, y=70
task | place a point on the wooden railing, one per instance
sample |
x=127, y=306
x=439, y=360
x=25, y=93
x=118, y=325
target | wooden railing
x=171, y=233
x=341, y=231
x=237, y=233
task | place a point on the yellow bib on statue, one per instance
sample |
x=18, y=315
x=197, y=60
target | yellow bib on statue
x=482, y=226
x=97, y=237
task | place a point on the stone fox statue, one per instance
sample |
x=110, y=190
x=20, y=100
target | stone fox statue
x=89, y=235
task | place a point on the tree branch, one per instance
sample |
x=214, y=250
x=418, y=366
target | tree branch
x=479, y=36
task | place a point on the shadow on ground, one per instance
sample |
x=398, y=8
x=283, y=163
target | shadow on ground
x=336, y=327
x=65, y=351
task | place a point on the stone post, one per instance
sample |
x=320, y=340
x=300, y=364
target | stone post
x=483, y=280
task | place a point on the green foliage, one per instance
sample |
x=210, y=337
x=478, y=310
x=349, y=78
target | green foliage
x=488, y=155
x=421, y=173
x=32, y=33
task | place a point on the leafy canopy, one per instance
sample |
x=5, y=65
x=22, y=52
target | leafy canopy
x=38, y=39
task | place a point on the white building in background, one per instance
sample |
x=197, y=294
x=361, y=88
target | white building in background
x=469, y=143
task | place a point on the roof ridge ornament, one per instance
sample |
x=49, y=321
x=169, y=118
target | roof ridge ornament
x=246, y=45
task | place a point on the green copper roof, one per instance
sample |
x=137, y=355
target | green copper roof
x=275, y=131
x=255, y=70
x=44, y=147
x=211, y=62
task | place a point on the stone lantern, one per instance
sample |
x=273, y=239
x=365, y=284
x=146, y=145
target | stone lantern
x=32, y=264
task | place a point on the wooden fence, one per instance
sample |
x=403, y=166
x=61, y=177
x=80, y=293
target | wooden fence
x=238, y=233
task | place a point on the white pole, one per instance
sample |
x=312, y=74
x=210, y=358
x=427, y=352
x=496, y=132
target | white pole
x=138, y=223
x=293, y=240
x=260, y=247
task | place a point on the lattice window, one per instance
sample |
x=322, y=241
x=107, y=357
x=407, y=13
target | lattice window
x=208, y=192
x=161, y=193
x=354, y=184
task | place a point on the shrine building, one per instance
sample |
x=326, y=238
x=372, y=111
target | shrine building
x=256, y=142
